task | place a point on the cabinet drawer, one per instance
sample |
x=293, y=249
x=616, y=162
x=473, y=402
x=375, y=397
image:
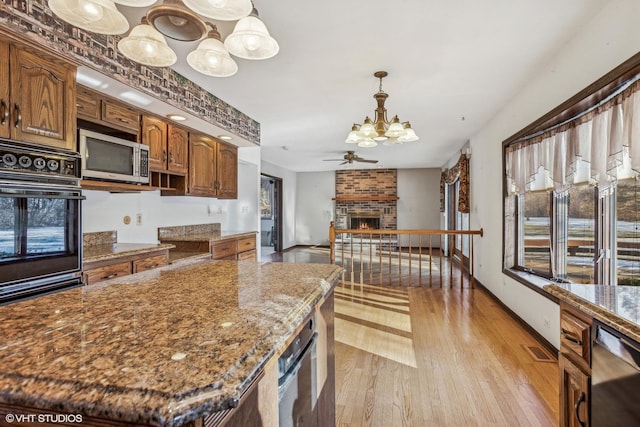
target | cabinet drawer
x=150, y=263
x=88, y=105
x=246, y=244
x=224, y=249
x=107, y=272
x=575, y=335
x=247, y=255
x=120, y=116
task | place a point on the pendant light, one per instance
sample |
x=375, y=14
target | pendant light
x=212, y=58
x=222, y=10
x=173, y=19
x=250, y=39
x=136, y=3
x=147, y=46
x=96, y=16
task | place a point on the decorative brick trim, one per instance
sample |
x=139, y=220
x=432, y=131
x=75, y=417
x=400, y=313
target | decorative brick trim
x=372, y=183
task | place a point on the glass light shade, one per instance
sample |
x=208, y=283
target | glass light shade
x=367, y=130
x=367, y=143
x=409, y=136
x=147, y=46
x=251, y=40
x=396, y=129
x=211, y=58
x=96, y=16
x=353, y=137
x=222, y=10
x=136, y=3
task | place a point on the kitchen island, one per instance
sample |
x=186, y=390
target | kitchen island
x=169, y=346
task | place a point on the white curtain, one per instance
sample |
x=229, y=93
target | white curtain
x=601, y=146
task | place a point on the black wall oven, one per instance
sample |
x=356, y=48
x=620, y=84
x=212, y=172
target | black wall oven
x=40, y=221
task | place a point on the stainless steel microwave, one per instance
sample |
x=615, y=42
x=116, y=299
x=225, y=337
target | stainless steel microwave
x=113, y=159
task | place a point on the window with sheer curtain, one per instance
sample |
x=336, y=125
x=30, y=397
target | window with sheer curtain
x=572, y=193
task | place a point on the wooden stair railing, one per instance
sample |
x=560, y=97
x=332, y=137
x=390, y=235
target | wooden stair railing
x=390, y=253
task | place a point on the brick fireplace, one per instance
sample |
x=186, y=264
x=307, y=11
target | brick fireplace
x=366, y=198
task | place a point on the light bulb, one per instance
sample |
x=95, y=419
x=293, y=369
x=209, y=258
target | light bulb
x=212, y=59
x=177, y=21
x=218, y=3
x=148, y=47
x=90, y=11
x=251, y=42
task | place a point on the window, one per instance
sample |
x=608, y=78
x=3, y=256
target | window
x=580, y=242
x=535, y=238
x=628, y=232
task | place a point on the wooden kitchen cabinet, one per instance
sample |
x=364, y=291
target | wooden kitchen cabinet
x=202, y=168
x=37, y=97
x=168, y=145
x=574, y=392
x=574, y=367
x=112, y=116
x=119, y=266
x=227, y=171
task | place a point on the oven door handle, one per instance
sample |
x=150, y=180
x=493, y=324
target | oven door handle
x=42, y=196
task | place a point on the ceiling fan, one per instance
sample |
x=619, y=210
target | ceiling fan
x=351, y=157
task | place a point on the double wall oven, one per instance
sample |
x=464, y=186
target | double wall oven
x=40, y=221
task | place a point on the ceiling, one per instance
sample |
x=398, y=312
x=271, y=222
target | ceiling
x=452, y=66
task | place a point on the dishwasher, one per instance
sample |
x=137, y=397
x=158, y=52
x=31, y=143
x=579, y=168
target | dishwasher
x=297, y=380
x=615, y=378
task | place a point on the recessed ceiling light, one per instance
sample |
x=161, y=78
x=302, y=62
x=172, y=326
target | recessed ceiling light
x=225, y=137
x=176, y=117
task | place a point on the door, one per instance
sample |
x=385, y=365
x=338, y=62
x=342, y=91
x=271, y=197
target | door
x=154, y=134
x=227, y=171
x=43, y=96
x=202, y=172
x=177, y=147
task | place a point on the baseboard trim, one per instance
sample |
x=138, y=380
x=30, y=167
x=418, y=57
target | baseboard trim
x=551, y=349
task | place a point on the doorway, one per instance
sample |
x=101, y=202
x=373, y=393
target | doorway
x=270, y=214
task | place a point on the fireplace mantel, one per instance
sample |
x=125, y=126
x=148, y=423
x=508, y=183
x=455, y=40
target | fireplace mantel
x=366, y=198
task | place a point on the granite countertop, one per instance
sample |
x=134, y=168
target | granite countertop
x=161, y=347
x=616, y=306
x=109, y=251
x=209, y=236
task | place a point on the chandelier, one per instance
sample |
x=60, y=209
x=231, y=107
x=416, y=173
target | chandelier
x=182, y=20
x=380, y=129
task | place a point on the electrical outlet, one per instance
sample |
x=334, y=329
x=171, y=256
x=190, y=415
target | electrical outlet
x=139, y=219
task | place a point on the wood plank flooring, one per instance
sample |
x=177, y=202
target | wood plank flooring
x=430, y=356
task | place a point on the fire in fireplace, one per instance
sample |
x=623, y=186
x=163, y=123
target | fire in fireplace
x=364, y=222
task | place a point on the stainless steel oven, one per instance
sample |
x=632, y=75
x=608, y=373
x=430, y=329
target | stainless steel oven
x=615, y=378
x=40, y=221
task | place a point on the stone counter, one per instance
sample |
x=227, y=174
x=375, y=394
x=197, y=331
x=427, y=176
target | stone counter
x=162, y=347
x=119, y=250
x=616, y=306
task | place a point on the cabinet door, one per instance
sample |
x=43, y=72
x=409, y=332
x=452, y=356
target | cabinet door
x=5, y=103
x=177, y=147
x=574, y=396
x=154, y=134
x=202, y=152
x=227, y=172
x=43, y=107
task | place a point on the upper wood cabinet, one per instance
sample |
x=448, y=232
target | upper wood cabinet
x=227, y=172
x=37, y=98
x=202, y=168
x=98, y=108
x=168, y=145
x=213, y=168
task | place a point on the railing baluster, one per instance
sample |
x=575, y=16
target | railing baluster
x=371, y=246
x=410, y=255
x=380, y=259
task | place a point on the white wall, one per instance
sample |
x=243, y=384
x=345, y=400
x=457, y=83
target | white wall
x=103, y=211
x=314, y=207
x=288, y=201
x=612, y=37
x=419, y=193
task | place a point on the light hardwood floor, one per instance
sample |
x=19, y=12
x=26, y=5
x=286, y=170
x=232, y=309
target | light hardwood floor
x=430, y=356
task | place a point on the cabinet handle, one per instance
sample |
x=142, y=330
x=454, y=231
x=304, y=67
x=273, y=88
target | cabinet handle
x=164, y=156
x=4, y=112
x=569, y=337
x=18, y=114
x=581, y=399
x=111, y=276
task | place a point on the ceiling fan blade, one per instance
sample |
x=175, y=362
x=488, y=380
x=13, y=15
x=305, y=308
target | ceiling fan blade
x=333, y=160
x=366, y=161
x=344, y=163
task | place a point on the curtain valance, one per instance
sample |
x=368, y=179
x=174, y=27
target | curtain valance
x=449, y=176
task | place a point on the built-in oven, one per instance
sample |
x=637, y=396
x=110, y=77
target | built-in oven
x=40, y=221
x=615, y=378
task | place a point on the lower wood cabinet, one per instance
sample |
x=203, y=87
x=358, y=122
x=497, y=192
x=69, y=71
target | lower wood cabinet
x=574, y=392
x=243, y=249
x=98, y=271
